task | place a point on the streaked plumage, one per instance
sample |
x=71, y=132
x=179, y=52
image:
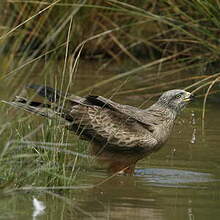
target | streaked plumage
x=121, y=134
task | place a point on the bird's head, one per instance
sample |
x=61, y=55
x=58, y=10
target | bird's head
x=176, y=99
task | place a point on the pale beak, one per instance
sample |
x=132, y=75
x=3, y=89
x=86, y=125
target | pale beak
x=189, y=97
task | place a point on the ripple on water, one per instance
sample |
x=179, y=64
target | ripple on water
x=173, y=177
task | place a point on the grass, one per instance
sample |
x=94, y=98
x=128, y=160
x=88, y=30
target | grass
x=149, y=46
x=51, y=162
x=133, y=30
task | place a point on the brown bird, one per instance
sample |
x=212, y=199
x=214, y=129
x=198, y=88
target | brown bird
x=120, y=134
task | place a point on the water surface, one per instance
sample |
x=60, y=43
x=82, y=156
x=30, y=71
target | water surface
x=181, y=181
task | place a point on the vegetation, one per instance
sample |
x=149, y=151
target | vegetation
x=164, y=43
x=132, y=28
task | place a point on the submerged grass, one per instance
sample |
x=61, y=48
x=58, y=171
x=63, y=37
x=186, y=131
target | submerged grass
x=158, y=45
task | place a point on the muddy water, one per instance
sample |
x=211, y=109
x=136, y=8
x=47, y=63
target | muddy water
x=181, y=181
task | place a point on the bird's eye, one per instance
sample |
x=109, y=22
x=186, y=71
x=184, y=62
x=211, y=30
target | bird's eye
x=178, y=96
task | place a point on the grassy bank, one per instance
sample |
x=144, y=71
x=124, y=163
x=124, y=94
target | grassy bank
x=39, y=153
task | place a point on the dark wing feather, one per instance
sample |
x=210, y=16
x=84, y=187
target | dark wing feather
x=131, y=112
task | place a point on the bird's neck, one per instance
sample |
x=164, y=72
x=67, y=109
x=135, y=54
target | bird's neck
x=167, y=113
x=163, y=119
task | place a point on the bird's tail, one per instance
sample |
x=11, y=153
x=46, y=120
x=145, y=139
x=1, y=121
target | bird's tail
x=52, y=111
x=55, y=96
x=47, y=92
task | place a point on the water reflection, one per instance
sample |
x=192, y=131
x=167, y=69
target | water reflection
x=39, y=208
x=173, y=177
x=121, y=198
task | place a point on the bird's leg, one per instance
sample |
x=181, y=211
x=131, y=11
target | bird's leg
x=116, y=163
x=130, y=169
x=122, y=168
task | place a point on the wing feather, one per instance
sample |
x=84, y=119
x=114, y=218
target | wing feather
x=112, y=129
x=131, y=112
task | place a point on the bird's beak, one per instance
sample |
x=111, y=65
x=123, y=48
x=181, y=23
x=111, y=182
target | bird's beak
x=189, y=97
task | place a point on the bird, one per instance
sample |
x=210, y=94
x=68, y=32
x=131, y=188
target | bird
x=120, y=135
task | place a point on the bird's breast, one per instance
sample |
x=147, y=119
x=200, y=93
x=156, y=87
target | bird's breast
x=162, y=132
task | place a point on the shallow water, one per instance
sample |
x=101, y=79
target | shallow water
x=181, y=181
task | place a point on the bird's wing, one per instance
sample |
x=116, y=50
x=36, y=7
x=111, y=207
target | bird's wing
x=71, y=100
x=131, y=112
x=111, y=129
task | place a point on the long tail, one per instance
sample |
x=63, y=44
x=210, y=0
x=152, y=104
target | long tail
x=54, y=95
x=38, y=108
x=51, y=111
x=51, y=94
